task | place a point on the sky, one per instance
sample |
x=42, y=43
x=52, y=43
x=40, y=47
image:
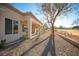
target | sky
x=69, y=18
x=29, y=7
x=62, y=20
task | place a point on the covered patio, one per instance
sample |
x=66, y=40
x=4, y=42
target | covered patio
x=24, y=28
x=35, y=28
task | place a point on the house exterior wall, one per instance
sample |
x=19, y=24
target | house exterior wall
x=10, y=15
x=1, y=27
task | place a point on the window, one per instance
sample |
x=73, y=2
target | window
x=11, y=25
x=15, y=26
x=8, y=26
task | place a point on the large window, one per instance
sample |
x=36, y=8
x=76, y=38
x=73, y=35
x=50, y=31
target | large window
x=15, y=27
x=11, y=26
x=8, y=26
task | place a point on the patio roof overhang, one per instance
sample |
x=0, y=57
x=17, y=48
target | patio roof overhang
x=36, y=24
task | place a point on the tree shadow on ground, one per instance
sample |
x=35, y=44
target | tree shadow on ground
x=49, y=48
x=33, y=47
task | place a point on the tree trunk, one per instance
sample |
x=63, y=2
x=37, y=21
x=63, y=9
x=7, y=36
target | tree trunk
x=52, y=32
x=53, y=37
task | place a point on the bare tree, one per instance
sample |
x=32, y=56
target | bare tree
x=52, y=11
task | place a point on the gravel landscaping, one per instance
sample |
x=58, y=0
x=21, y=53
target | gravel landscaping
x=64, y=48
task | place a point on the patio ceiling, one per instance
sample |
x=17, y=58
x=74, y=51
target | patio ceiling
x=36, y=23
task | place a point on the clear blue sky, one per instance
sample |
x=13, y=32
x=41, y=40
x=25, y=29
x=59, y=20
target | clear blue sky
x=65, y=21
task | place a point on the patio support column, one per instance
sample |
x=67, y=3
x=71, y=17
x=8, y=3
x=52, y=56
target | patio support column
x=30, y=28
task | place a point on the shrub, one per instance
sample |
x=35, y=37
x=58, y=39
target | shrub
x=2, y=44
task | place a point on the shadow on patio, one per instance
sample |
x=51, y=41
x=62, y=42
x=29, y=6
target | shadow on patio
x=49, y=48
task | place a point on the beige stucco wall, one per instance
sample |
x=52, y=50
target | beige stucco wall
x=14, y=16
x=10, y=14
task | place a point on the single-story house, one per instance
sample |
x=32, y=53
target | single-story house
x=14, y=24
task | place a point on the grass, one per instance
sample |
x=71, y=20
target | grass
x=73, y=31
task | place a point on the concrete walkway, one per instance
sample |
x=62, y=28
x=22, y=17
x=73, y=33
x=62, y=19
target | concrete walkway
x=43, y=48
x=38, y=45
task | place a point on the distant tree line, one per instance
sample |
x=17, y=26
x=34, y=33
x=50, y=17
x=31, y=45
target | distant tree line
x=61, y=27
x=75, y=27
